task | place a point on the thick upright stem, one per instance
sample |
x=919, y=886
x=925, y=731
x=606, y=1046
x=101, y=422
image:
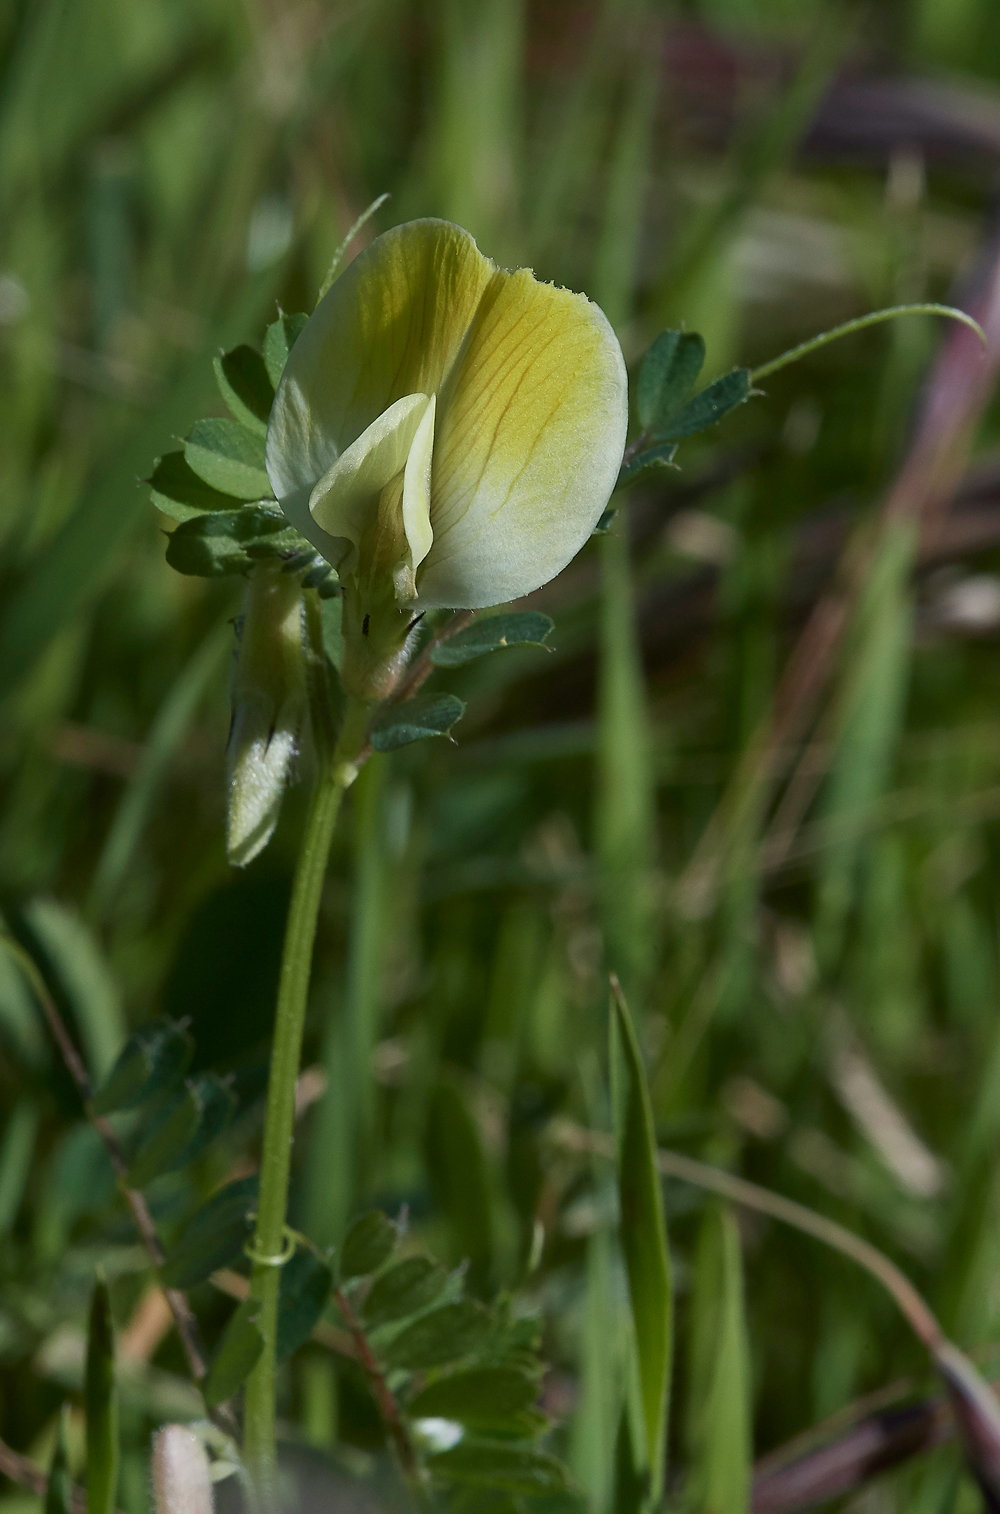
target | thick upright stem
x=335, y=775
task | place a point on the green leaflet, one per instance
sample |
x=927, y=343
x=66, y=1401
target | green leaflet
x=499, y=1464
x=649, y=463
x=643, y=1237
x=228, y=457
x=426, y=715
x=214, y=1237
x=710, y=405
x=246, y=387
x=306, y=1282
x=183, y=1129
x=180, y=493
x=516, y=630
x=369, y=1242
x=479, y=1395
x=668, y=374
x=237, y=1355
x=231, y=541
x=152, y=1060
x=101, y=1405
x=720, y=1407
x=445, y=1335
x=278, y=343
x=410, y=1285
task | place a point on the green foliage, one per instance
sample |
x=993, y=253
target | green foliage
x=487, y=1397
x=405, y=1288
x=228, y=456
x=643, y=1237
x=245, y=385
x=182, y=1129
x=720, y=1403
x=230, y=541
x=459, y=1361
x=496, y=1464
x=491, y=633
x=306, y=1282
x=214, y=1237
x=58, y=1494
x=178, y=491
x=151, y=1062
x=152, y=154
x=420, y=717
x=668, y=374
x=369, y=1242
x=279, y=340
x=237, y=1355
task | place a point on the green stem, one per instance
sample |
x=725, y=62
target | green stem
x=859, y=324
x=336, y=774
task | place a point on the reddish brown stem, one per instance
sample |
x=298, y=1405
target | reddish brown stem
x=388, y=1408
x=187, y=1325
x=22, y=1471
x=423, y=667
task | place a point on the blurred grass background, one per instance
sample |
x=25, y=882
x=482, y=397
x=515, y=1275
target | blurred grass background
x=822, y=1014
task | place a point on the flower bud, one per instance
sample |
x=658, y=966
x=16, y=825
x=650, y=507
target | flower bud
x=269, y=703
x=182, y=1482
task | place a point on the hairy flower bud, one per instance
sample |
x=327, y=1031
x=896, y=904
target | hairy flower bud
x=269, y=703
x=182, y=1482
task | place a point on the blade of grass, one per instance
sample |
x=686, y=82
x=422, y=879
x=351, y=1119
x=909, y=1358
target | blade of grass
x=101, y=1405
x=720, y=1402
x=643, y=1237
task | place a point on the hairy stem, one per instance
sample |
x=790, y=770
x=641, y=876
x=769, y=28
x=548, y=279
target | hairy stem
x=336, y=772
x=860, y=322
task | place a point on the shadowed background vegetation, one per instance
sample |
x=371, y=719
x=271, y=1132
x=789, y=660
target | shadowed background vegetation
x=758, y=773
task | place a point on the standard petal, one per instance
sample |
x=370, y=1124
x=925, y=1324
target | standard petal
x=529, y=439
x=393, y=324
x=342, y=501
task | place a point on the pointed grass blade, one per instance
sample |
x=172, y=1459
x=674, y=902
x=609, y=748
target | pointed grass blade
x=643, y=1236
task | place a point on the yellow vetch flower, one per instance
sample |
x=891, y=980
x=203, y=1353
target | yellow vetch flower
x=446, y=433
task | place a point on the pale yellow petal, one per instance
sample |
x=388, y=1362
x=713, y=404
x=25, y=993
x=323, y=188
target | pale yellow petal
x=342, y=501
x=529, y=439
x=392, y=325
x=417, y=490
